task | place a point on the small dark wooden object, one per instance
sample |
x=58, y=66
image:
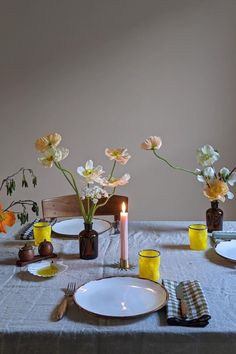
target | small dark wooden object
x=26, y=253
x=38, y=258
x=45, y=248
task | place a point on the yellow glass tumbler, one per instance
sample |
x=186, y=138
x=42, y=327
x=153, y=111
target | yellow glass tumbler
x=149, y=264
x=42, y=231
x=198, y=237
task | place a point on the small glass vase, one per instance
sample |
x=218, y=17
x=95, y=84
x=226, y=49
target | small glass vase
x=214, y=217
x=88, y=242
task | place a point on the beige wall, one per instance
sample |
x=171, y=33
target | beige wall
x=110, y=73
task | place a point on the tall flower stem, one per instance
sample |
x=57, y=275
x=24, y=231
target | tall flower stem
x=70, y=178
x=172, y=166
x=112, y=170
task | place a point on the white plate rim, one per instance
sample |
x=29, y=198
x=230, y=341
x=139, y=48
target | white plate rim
x=61, y=268
x=124, y=317
x=221, y=255
x=73, y=235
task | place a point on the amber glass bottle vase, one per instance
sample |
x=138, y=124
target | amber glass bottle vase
x=214, y=217
x=88, y=242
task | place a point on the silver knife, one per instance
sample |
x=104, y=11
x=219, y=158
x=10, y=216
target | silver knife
x=183, y=303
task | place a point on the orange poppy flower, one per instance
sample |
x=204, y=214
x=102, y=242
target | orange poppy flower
x=7, y=218
x=216, y=190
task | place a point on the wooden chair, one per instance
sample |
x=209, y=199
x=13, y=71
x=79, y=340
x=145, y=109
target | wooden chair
x=68, y=206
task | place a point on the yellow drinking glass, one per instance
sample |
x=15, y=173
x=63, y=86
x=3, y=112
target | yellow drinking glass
x=42, y=231
x=198, y=237
x=149, y=264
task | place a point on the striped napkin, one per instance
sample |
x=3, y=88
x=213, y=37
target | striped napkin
x=198, y=312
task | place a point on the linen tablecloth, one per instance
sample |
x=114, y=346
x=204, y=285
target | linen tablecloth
x=28, y=302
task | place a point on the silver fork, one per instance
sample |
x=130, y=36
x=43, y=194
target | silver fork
x=61, y=309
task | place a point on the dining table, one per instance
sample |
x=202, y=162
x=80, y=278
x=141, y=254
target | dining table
x=28, y=302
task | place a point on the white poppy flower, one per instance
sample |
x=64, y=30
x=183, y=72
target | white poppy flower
x=201, y=179
x=207, y=155
x=199, y=175
x=53, y=155
x=232, y=179
x=224, y=172
x=209, y=172
x=90, y=173
x=230, y=195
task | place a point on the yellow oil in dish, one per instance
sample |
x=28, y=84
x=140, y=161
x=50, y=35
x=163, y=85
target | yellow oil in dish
x=49, y=271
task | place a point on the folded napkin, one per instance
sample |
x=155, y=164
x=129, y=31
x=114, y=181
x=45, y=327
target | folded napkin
x=224, y=235
x=198, y=312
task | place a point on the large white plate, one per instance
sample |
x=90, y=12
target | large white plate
x=72, y=227
x=227, y=249
x=121, y=296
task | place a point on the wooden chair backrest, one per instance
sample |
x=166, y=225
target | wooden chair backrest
x=68, y=206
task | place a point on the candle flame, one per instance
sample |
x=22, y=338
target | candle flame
x=123, y=207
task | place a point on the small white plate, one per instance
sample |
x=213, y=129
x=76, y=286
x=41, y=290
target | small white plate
x=121, y=297
x=42, y=269
x=227, y=249
x=72, y=227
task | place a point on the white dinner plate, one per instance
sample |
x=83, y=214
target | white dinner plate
x=121, y=297
x=227, y=249
x=72, y=227
x=46, y=268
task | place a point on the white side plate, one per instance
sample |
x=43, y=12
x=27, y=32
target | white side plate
x=121, y=297
x=227, y=249
x=42, y=269
x=72, y=227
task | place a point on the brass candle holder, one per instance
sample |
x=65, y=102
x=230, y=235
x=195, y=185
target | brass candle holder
x=124, y=264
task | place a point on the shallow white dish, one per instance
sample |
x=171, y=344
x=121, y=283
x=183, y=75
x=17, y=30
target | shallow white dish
x=72, y=227
x=121, y=297
x=34, y=268
x=227, y=249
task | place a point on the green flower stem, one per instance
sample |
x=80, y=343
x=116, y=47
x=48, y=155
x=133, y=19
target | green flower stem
x=112, y=170
x=88, y=205
x=174, y=167
x=91, y=215
x=73, y=185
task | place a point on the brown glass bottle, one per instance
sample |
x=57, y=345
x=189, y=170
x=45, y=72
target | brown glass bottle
x=88, y=242
x=214, y=217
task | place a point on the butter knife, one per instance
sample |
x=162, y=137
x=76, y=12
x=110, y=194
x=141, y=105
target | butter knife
x=183, y=303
